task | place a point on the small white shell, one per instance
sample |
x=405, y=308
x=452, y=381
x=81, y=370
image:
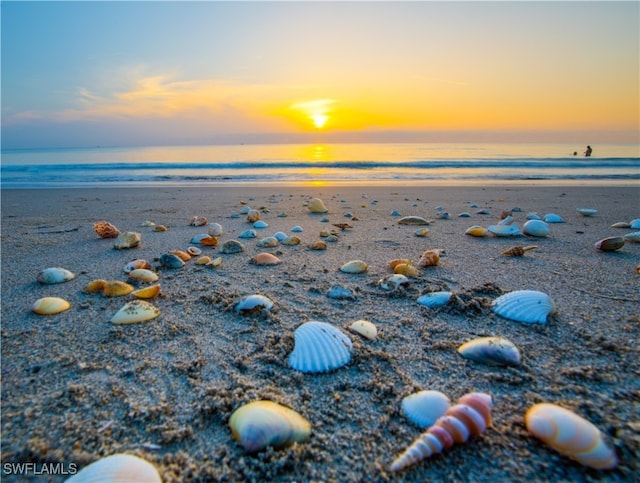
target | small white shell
x=434, y=299
x=529, y=306
x=505, y=230
x=586, y=211
x=491, y=350
x=553, y=218
x=423, y=408
x=354, y=266
x=254, y=303
x=134, y=312
x=117, y=468
x=365, y=329
x=319, y=347
x=536, y=228
x=55, y=275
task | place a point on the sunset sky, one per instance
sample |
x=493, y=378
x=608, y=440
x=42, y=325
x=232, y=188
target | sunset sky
x=157, y=73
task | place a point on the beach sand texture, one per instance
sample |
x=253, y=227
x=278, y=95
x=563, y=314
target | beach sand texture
x=76, y=387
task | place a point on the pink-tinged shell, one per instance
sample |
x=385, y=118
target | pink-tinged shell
x=117, y=468
x=50, y=306
x=570, y=435
x=104, y=229
x=265, y=258
x=471, y=416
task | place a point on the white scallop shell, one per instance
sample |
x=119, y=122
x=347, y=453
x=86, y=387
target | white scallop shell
x=536, y=228
x=505, y=230
x=528, y=306
x=117, y=468
x=586, y=211
x=553, y=218
x=55, y=275
x=434, y=299
x=254, y=303
x=319, y=347
x=633, y=237
x=365, y=329
x=423, y=408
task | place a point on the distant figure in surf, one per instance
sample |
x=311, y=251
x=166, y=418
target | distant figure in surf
x=587, y=153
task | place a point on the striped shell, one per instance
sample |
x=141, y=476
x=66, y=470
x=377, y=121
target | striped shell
x=117, y=468
x=50, y=306
x=260, y=424
x=319, y=347
x=570, y=435
x=55, y=275
x=528, y=306
x=423, y=408
x=537, y=228
x=471, y=416
x=134, y=312
x=491, y=350
x=254, y=304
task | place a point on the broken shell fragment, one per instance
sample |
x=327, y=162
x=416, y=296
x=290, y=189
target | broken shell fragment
x=143, y=274
x=104, y=229
x=424, y=408
x=413, y=220
x=528, y=306
x=127, y=239
x=365, y=328
x=216, y=262
x=392, y=282
x=316, y=205
x=319, y=347
x=203, y=260
x=518, y=250
x=254, y=304
x=147, y=292
x=134, y=312
x=117, y=468
x=265, y=258
x=55, y=275
x=505, y=230
x=354, y=266
x=50, y=306
x=610, y=244
x=491, y=350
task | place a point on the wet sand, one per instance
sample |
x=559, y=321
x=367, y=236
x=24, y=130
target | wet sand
x=76, y=387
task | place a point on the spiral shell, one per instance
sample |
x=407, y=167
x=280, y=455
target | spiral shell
x=55, y=275
x=127, y=239
x=491, y=350
x=570, y=435
x=471, y=416
x=316, y=205
x=104, y=229
x=518, y=250
x=50, y=306
x=260, y=424
x=423, y=408
x=319, y=347
x=117, y=468
x=528, y=306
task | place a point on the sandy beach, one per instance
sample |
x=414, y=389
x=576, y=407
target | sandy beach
x=76, y=387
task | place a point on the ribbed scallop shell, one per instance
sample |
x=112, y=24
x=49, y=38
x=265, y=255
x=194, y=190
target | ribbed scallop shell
x=104, y=229
x=536, y=228
x=117, y=468
x=316, y=205
x=570, y=435
x=50, y=306
x=528, y=306
x=435, y=299
x=471, y=416
x=354, y=266
x=319, y=347
x=254, y=303
x=260, y=424
x=134, y=312
x=424, y=408
x=55, y=275
x=491, y=350
x=127, y=239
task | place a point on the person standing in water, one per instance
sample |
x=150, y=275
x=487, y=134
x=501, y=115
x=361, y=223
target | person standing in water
x=587, y=153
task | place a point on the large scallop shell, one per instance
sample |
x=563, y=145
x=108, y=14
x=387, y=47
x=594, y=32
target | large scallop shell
x=254, y=303
x=537, y=228
x=491, y=350
x=134, y=312
x=117, y=468
x=50, y=306
x=317, y=206
x=610, y=244
x=260, y=424
x=423, y=408
x=570, y=435
x=354, y=266
x=528, y=306
x=127, y=239
x=55, y=275
x=104, y=229
x=319, y=347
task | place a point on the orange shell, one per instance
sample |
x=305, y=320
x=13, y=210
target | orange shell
x=393, y=263
x=184, y=256
x=160, y=228
x=265, y=259
x=116, y=288
x=429, y=258
x=147, y=292
x=95, y=286
x=104, y=229
x=210, y=241
x=406, y=269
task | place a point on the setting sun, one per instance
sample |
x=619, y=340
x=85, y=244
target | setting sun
x=316, y=111
x=319, y=120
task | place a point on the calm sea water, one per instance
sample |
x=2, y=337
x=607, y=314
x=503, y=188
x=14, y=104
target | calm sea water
x=317, y=164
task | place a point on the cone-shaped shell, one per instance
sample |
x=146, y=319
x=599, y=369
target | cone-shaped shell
x=254, y=303
x=55, y=275
x=429, y=258
x=413, y=220
x=127, y=239
x=319, y=347
x=147, y=292
x=117, y=468
x=50, y=306
x=477, y=231
x=570, y=435
x=143, y=274
x=317, y=206
x=518, y=250
x=104, y=229
x=537, y=228
x=610, y=244
x=365, y=329
x=265, y=258
x=260, y=424
x=231, y=246
x=116, y=288
x=134, y=312
x=424, y=408
x=354, y=266
x=491, y=350
x=528, y=306
x=135, y=264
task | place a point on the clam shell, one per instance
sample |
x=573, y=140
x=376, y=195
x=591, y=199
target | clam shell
x=143, y=274
x=127, y=239
x=253, y=216
x=610, y=244
x=570, y=435
x=135, y=264
x=117, y=468
x=95, y=286
x=104, y=229
x=135, y=311
x=116, y=288
x=215, y=229
x=209, y=241
x=260, y=424
x=435, y=299
x=201, y=236
x=316, y=205
x=231, y=246
x=505, y=230
x=184, y=256
x=365, y=328
x=529, y=306
x=621, y=224
x=280, y=236
x=147, y=292
x=406, y=269
x=203, y=260
x=169, y=260
x=318, y=245
x=478, y=231
x=50, y=306
x=536, y=228
x=319, y=347
x=586, y=211
x=354, y=266
x=55, y=275
x=553, y=218
x=194, y=251
x=398, y=261
x=339, y=292
x=491, y=350
x=424, y=408
x=413, y=220
x=265, y=259
x=297, y=229
x=268, y=242
x=633, y=237
x=253, y=304
x=392, y=282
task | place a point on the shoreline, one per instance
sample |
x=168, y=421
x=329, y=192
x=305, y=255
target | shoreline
x=76, y=387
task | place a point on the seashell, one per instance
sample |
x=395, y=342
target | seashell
x=184, y=256
x=216, y=262
x=194, y=251
x=55, y=275
x=160, y=228
x=505, y=230
x=365, y=329
x=395, y=213
x=495, y=351
x=232, y=246
x=260, y=424
x=339, y=292
x=116, y=288
x=196, y=239
x=50, y=306
x=319, y=347
x=117, y=468
x=570, y=435
x=529, y=306
x=470, y=416
x=198, y=221
x=147, y=223
x=143, y=274
x=553, y=218
x=621, y=224
x=518, y=250
x=635, y=224
x=260, y=224
x=253, y=216
x=443, y=215
x=424, y=408
x=169, y=260
x=291, y=241
x=354, y=266
x=407, y=269
x=317, y=206
x=134, y=312
x=429, y=258
x=633, y=237
x=251, y=233
x=413, y=220
x=421, y=232
x=297, y=229
x=478, y=231
x=94, y=286
x=265, y=258
x=331, y=239
x=253, y=304
x=536, y=228
x=215, y=229
x=392, y=282
x=104, y=229
x=610, y=244
x=135, y=264
x=483, y=211
x=268, y=242
x=147, y=292
x=586, y=211
x=506, y=218
x=209, y=241
x=398, y=261
x=342, y=226
x=280, y=236
x=435, y=299
x=318, y=245
x=464, y=214
x=127, y=239
x=203, y=260
x=245, y=209
x=533, y=216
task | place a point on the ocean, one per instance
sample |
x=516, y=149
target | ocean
x=417, y=164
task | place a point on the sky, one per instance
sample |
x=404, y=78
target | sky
x=157, y=73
